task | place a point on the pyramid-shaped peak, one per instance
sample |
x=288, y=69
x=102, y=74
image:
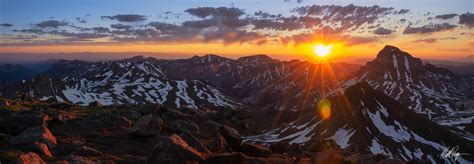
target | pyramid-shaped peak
x=256, y=58
x=389, y=51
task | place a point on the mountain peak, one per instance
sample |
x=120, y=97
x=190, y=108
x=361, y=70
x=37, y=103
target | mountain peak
x=134, y=59
x=256, y=58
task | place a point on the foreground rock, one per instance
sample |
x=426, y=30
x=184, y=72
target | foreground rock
x=175, y=150
x=147, y=125
x=35, y=134
x=29, y=158
x=20, y=121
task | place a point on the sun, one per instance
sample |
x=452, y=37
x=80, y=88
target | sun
x=322, y=50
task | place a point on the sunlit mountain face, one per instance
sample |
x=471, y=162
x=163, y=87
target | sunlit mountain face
x=236, y=81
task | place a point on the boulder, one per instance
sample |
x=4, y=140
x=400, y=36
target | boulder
x=86, y=152
x=105, y=120
x=193, y=142
x=35, y=134
x=280, y=147
x=296, y=151
x=227, y=158
x=232, y=137
x=238, y=158
x=210, y=137
x=4, y=139
x=180, y=126
x=174, y=150
x=40, y=148
x=19, y=121
x=29, y=158
x=147, y=125
x=254, y=150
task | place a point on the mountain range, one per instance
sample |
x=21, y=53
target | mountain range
x=394, y=105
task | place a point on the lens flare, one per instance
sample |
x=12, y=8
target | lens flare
x=324, y=108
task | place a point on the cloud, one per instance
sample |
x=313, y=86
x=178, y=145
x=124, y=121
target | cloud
x=52, y=24
x=347, y=17
x=6, y=25
x=126, y=17
x=427, y=41
x=430, y=28
x=326, y=35
x=203, y=12
x=446, y=16
x=382, y=31
x=120, y=26
x=81, y=20
x=467, y=19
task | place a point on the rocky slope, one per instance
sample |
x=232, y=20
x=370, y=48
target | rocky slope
x=365, y=120
x=61, y=133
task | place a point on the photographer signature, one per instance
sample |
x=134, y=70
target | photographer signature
x=452, y=153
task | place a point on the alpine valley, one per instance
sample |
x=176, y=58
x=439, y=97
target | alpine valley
x=254, y=109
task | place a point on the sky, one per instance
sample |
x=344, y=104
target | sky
x=284, y=29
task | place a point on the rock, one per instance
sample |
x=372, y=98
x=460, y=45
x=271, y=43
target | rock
x=130, y=114
x=361, y=158
x=77, y=159
x=29, y=158
x=317, y=145
x=394, y=161
x=193, y=142
x=330, y=156
x=296, y=151
x=280, y=147
x=174, y=150
x=40, y=148
x=35, y=134
x=180, y=126
x=4, y=139
x=62, y=118
x=147, y=125
x=238, y=158
x=95, y=104
x=18, y=122
x=254, y=150
x=232, y=137
x=86, y=152
x=227, y=158
x=210, y=137
x=106, y=120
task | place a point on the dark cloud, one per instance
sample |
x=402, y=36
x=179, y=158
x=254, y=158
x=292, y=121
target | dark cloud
x=427, y=41
x=81, y=20
x=120, y=26
x=430, y=28
x=32, y=31
x=446, y=16
x=203, y=12
x=286, y=23
x=126, y=17
x=467, y=19
x=78, y=36
x=327, y=35
x=348, y=17
x=52, y=24
x=382, y=31
x=6, y=25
